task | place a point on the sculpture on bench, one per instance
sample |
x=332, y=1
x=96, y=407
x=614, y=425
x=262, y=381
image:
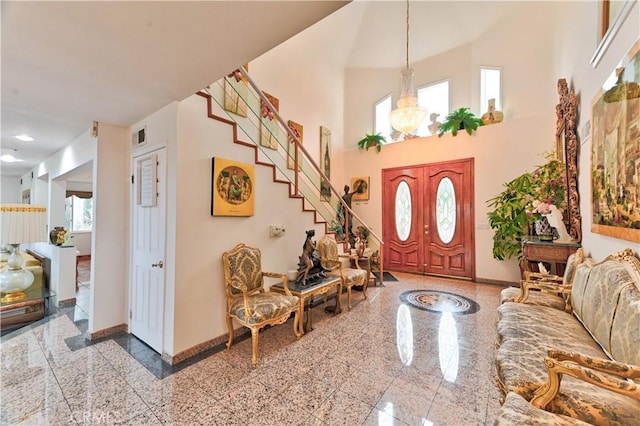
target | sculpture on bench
x=310, y=268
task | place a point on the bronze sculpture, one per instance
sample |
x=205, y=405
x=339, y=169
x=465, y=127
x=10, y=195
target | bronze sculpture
x=309, y=267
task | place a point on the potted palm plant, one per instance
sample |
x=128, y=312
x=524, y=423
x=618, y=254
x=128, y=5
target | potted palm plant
x=371, y=140
x=460, y=119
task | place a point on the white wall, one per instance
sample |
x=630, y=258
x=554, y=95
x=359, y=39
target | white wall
x=10, y=191
x=82, y=242
x=201, y=239
x=501, y=152
x=196, y=286
x=572, y=60
x=110, y=257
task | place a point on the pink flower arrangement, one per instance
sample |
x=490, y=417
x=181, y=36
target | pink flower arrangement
x=548, y=187
x=541, y=207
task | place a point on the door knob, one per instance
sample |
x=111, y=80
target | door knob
x=426, y=229
x=158, y=265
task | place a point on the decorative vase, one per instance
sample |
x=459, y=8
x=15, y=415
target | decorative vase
x=492, y=116
x=58, y=235
x=544, y=230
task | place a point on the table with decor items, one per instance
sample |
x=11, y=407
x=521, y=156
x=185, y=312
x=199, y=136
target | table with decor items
x=307, y=293
x=535, y=250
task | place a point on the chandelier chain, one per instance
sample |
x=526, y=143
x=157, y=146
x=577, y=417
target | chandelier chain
x=407, y=34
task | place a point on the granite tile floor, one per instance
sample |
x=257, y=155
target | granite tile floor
x=382, y=363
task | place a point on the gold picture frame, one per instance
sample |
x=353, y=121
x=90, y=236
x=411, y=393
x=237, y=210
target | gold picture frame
x=325, y=163
x=235, y=90
x=615, y=152
x=360, y=188
x=297, y=130
x=232, y=188
x=269, y=127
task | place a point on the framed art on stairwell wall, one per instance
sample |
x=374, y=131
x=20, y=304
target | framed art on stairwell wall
x=232, y=188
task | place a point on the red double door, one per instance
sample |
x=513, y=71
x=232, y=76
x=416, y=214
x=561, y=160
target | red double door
x=427, y=219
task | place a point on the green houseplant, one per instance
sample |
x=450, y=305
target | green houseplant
x=462, y=118
x=525, y=200
x=370, y=140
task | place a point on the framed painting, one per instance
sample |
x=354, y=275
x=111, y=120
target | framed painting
x=615, y=152
x=235, y=91
x=232, y=188
x=269, y=128
x=297, y=130
x=325, y=163
x=612, y=16
x=360, y=188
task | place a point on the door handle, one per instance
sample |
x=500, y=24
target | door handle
x=158, y=265
x=426, y=229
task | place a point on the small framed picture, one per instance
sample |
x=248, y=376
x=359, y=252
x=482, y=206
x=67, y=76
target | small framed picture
x=360, y=188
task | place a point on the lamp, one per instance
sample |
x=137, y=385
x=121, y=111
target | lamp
x=19, y=224
x=409, y=115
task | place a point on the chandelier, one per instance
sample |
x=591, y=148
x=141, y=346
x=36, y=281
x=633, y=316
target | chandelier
x=409, y=115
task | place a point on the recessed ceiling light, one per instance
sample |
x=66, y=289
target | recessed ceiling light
x=24, y=137
x=8, y=158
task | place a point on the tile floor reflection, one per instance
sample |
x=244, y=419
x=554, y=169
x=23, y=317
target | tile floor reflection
x=383, y=363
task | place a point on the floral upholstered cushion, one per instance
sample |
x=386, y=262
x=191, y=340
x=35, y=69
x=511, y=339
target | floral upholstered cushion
x=535, y=298
x=517, y=411
x=599, y=301
x=594, y=405
x=245, y=266
x=263, y=307
x=543, y=327
x=625, y=328
x=520, y=363
x=351, y=276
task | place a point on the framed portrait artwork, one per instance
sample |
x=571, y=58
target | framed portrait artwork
x=360, y=188
x=615, y=152
x=269, y=128
x=325, y=163
x=232, y=188
x=297, y=130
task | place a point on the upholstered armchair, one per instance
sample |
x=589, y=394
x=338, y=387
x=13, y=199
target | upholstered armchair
x=330, y=259
x=247, y=300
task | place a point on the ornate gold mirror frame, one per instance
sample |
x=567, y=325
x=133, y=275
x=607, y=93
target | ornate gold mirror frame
x=567, y=151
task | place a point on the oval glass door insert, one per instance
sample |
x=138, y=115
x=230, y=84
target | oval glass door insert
x=446, y=210
x=403, y=211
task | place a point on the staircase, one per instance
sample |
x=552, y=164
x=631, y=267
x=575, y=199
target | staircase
x=258, y=125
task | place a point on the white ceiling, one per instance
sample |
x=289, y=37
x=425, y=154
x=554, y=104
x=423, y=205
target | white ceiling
x=67, y=64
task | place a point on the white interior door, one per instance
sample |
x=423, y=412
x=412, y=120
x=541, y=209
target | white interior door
x=146, y=315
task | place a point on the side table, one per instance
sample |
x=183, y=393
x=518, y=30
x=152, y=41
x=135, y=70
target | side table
x=306, y=295
x=534, y=250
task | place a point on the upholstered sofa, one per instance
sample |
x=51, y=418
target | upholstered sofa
x=569, y=349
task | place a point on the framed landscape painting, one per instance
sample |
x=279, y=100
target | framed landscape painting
x=615, y=152
x=232, y=188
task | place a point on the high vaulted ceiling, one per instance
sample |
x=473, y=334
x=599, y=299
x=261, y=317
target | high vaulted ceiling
x=67, y=64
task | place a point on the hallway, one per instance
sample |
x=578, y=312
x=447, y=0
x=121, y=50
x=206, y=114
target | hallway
x=382, y=363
